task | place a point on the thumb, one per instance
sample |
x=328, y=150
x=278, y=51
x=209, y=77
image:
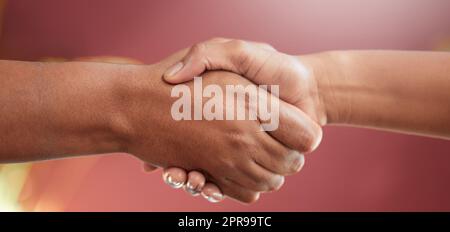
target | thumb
x=204, y=57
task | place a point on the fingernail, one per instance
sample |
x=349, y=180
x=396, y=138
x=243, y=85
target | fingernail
x=214, y=198
x=300, y=162
x=173, y=70
x=297, y=161
x=189, y=186
x=191, y=189
x=193, y=192
x=211, y=199
x=172, y=183
x=217, y=196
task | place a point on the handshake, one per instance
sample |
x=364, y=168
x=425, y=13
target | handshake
x=238, y=130
x=211, y=148
x=238, y=157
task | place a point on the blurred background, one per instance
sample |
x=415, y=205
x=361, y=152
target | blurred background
x=353, y=169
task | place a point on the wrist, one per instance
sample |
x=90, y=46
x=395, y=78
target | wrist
x=84, y=105
x=328, y=69
x=140, y=97
x=132, y=88
x=143, y=106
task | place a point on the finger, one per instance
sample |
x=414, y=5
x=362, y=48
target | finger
x=281, y=146
x=286, y=136
x=201, y=57
x=258, y=62
x=247, y=175
x=288, y=124
x=169, y=62
x=246, y=179
x=279, y=160
x=175, y=177
x=212, y=193
x=148, y=167
x=297, y=130
x=195, y=183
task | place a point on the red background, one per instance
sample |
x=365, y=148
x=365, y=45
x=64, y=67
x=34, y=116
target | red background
x=353, y=170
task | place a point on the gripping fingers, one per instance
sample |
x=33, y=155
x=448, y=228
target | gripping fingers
x=212, y=193
x=175, y=177
x=195, y=183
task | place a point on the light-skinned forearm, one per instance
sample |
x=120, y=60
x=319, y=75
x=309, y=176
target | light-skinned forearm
x=393, y=90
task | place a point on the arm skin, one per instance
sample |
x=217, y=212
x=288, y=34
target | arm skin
x=51, y=110
x=58, y=110
x=402, y=91
x=392, y=90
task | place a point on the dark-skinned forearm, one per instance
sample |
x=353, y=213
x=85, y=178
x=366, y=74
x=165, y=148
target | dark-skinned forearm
x=55, y=110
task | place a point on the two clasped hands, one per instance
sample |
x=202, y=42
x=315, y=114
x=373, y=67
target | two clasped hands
x=312, y=95
x=251, y=161
x=57, y=110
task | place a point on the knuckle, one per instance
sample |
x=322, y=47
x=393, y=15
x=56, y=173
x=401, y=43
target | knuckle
x=198, y=48
x=242, y=55
x=241, y=142
x=239, y=45
x=229, y=164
